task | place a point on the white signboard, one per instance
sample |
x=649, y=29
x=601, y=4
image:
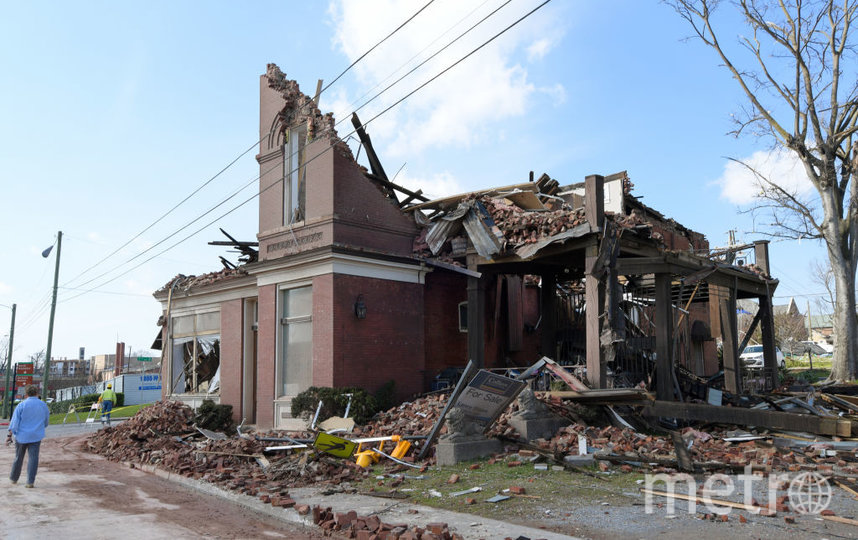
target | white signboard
x=487, y=396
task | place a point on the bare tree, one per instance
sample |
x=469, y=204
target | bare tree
x=38, y=360
x=800, y=96
x=821, y=274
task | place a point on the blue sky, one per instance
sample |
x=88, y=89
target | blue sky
x=114, y=112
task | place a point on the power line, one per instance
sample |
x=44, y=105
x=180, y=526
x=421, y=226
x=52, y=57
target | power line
x=397, y=70
x=421, y=64
x=167, y=213
x=231, y=163
x=398, y=28
x=329, y=148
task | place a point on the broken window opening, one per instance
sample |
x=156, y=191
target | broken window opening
x=463, y=317
x=294, y=176
x=195, y=354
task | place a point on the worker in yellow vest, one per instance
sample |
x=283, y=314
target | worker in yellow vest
x=107, y=399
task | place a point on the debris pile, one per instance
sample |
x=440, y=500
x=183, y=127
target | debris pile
x=163, y=435
x=520, y=226
x=356, y=526
x=410, y=418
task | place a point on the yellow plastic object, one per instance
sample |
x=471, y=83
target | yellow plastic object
x=401, y=449
x=365, y=458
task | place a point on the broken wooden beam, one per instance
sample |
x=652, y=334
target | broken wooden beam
x=602, y=396
x=745, y=417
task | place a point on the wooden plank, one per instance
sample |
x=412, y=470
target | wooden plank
x=767, y=329
x=702, y=500
x=453, y=200
x=663, y=337
x=594, y=200
x=525, y=199
x=548, y=330
x=840, y=402
x=565, y=376
x=839, y=519
x=732, y=370
x=741, y=416
x=476, y=320
x=608, y=396
x=594, y=293
x=374, y=162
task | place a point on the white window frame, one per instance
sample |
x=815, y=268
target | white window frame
x=281, y=323
x=293, y=174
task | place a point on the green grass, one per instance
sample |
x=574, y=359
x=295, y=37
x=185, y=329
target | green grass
x=119, y=412
x=793, y=362
x=544, y=489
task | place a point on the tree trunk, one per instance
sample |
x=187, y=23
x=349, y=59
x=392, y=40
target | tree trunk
x=845, y=320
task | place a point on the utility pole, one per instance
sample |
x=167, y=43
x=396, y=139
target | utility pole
x=7, y=398
x=53, y=311
x=809, y=336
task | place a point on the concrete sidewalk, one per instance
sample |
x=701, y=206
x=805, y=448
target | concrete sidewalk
x=81, y=495
x=389, y=511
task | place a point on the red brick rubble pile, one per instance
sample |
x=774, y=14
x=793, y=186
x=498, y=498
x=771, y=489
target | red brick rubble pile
x=352, y=525
x=163, y=435
x=410, y=418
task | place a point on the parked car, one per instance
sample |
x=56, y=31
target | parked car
x=752, y=357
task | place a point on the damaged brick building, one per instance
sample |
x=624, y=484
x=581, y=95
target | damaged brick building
x=355, y=281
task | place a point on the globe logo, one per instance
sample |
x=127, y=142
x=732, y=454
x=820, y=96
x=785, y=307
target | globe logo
x=809, y=493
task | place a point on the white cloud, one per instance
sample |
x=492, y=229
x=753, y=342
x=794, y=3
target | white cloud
x=4, y=288
x=740, y=185
x=435, y=187
x=538, y=49
x=557, y=93
x=465, y=106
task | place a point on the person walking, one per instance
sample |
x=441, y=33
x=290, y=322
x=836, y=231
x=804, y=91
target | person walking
x=28, y=425
x=107, y=400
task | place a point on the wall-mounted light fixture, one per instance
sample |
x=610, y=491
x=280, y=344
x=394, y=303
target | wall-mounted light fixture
x=360, y=307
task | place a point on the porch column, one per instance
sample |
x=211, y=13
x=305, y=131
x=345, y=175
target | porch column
x=767, y=328
x=548, y=326
x=594, y=296
x=476, y=321
x=729, y=332
x=663, y=338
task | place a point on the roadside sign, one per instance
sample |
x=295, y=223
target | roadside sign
x=24, y=374
x=336, y=446
x=144, y=358
x=487, y=396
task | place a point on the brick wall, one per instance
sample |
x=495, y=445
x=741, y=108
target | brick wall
x=266, y=355
x=388, y=344
x=231, y=344
x=323, y=330
x=445, y=345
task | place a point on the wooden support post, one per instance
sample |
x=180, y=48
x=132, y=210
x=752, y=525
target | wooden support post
x=732, y=369
x=476, y=321
x=767, y=329
x=594, y=295
x=594, y=200
x=761, y=256
x=663, y=337
x=548, y=324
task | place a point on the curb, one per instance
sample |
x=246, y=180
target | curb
x=487, y=525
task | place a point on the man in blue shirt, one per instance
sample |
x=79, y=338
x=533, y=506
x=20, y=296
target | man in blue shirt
x=28, y=425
